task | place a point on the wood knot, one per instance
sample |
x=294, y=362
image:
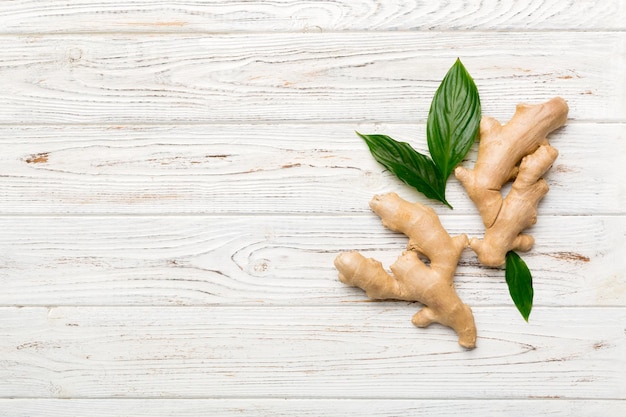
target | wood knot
x=38, y=158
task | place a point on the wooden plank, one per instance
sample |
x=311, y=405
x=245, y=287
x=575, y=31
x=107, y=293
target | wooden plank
x=359, y=351
x=310, y=407
x=390, y=77
x=278, y=260
x=56, y=16
x=275, y=168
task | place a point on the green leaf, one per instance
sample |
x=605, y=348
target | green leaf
x=407, y=164
x=520, y=283
x=453, y=119
x=451, y=129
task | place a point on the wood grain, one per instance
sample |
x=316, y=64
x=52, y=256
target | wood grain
x=176, y=178
x=337, y=352
x=56, y=16
x=390, y=77
x=556, y=407
x=274, y=168
x=278, y=260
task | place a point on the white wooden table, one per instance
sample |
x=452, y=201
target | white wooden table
x=176, y=178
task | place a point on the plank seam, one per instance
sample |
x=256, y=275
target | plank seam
x=285, y=122
x=306, y=33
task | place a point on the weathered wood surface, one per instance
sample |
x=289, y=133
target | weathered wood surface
x=275, y=168
x=54, y=16
x=389, y=77
x=336, y=352
x=176, y=179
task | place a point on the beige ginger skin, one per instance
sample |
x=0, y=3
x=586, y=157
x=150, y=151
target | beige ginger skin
x=412, y=279
x=517, y=150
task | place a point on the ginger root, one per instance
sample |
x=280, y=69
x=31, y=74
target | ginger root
x=412, y=279
x=517, y=150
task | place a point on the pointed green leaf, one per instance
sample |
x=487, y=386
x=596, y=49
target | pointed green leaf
x=520, y=283
x=453, y=119
x=407, y=164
